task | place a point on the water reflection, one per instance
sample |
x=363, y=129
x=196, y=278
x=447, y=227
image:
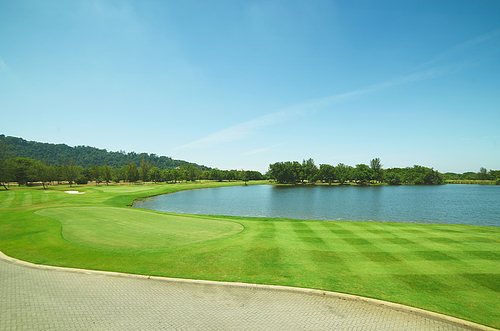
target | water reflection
x=452, y=204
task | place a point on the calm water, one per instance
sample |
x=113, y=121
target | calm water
x=451, y=204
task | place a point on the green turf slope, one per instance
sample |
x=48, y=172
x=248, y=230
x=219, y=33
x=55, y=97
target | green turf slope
x=451, y=269
x=118, y=228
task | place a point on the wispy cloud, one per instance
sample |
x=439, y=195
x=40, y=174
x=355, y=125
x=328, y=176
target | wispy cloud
x=250, y=128
x=405, y=79
x=2, y=64
x=260, y=150
x=469, y=44
x=243, y=130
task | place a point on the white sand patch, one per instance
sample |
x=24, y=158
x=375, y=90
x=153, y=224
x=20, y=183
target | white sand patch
x=74, y=192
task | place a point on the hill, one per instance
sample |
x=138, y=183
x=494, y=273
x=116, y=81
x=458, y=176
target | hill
x=85, y=156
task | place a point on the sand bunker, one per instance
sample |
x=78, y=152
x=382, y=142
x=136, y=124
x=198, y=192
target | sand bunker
x=74, y=192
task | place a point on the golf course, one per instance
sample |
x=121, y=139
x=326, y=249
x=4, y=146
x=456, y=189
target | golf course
x=449, y=269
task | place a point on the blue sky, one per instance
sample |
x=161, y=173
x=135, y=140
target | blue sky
x=242, y=84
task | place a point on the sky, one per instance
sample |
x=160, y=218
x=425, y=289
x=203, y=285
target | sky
x=243, y=84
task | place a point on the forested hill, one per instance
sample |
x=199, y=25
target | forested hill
x=85, y=156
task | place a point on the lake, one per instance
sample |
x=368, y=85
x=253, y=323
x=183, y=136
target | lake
x=449, y=204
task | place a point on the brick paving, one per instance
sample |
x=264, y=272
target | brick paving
x=46, y=298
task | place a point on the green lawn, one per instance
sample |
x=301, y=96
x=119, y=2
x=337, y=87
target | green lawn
x=119, y=228
x=451, y=269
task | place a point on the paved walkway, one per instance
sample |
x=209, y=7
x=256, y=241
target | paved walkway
x=47, y=298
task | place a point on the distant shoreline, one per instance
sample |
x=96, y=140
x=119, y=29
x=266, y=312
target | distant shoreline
x=472, y=182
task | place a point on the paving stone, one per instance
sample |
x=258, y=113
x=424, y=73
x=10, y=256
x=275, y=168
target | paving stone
x=34, y=298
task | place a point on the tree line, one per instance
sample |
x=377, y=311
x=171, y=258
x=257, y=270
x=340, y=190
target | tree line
x=483, y=174
x=86, y=156
x=26, y=171
x=295, y=172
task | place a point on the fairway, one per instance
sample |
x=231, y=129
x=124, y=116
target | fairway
x=118, y=228
x=450, y=269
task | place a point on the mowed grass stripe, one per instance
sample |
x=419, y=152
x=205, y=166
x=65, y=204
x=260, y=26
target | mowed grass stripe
x=488, y=281
x=301, y=250
x=263, y=255
x=45, y=197
x=18, y=198
x=41, y=196
x=345, y=250
x=424, y=273
x=484, y=255
x=27, y=199
x=331, y=254
x=307, y=236
x=384, y=255
x=6, y=199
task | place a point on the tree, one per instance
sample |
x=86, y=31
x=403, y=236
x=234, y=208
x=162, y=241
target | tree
x=154, y=174
x=166, y=175
x=292, y=172
x=52, y=172
x=309, y=170
x=118, y=174
x=243, y=175
x=189, y=172
x=216, y=174
x=205, y=174
x=176, y=175
x=342, y=172
x=377, y=170
x=433, y=177
x=274, y=170
x=85, y=176
x=285, y=172
x=144, y=170
x=392, y=177
x=131, y=172
x=58, y=173
x=85, y=156
x=5, y=167
x=95, y=174
x=232, y=175
x=40, y=172
x=252, y=175
x=483, y=174
x=416, y=175
x=495, y=174
x=106, y=174
x=70, y=172
x=362, y=173
x=327, y=173
x=21, y=169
